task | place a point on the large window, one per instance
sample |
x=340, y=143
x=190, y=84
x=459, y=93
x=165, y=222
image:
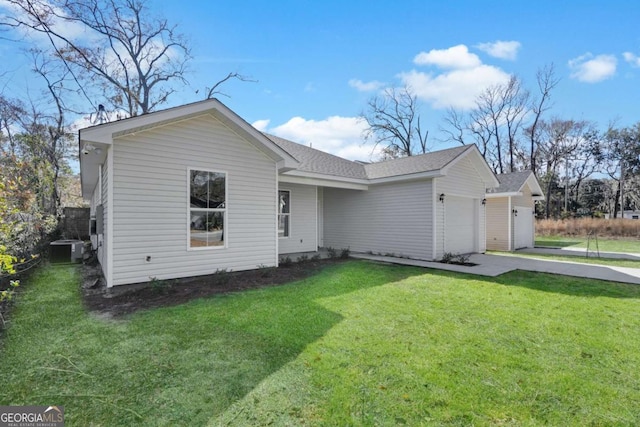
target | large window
x=207, y=208
x=284, y=212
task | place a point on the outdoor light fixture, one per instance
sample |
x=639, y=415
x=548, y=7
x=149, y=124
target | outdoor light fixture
x=87, y=149
x=484, y=202
x=442, y=197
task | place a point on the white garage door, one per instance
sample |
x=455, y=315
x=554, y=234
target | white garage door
x=523, y=228
x=460, y=225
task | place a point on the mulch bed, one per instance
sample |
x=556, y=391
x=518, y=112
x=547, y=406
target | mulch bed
x=163, y=293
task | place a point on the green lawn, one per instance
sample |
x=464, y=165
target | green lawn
x=357, y=344
x=605, y=245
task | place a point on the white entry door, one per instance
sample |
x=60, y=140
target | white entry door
x=461, y=232
x=523, y=228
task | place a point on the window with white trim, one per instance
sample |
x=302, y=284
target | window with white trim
x=207, y=208
x=284, y=212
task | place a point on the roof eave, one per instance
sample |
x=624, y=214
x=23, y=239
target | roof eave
x=505, y=194
x=408, y=177
x=103, y=135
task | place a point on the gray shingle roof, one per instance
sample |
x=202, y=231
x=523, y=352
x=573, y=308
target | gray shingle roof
x=511, y=182
x=414, y=164
x=312, y=160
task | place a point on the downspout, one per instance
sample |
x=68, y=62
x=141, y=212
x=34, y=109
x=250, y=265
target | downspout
x=509, y=225
x=444, y=227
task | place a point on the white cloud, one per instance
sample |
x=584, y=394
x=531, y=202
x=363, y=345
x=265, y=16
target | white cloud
x=365, y=86
x=457, y=88
x=632, y=59
x=455, y=57
x=261, y=125
x=590, y=69
x=56, y=18
x=341, y=136
x=501, y=49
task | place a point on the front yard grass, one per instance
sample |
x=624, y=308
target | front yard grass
x=606, y=245
x=359, y=343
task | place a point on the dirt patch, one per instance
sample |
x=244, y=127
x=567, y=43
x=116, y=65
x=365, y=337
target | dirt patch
x=165, y=293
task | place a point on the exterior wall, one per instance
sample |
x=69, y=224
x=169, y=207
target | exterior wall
x=303, y=220
x=525, y=200
x=150, y=198
x=498, y=224
x=392, y=218
x=462, y=180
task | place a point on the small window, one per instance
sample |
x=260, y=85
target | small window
x=284, y=212
x=207, y=208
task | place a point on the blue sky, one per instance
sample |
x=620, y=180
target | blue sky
x=317, y=63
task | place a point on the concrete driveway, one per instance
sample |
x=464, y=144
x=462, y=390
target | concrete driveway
x=495, y=265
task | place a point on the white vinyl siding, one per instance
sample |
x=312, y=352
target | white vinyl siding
x=498, y=224
x=393, y=218
x=150, y=219
x=525, y=200
x=302, y=219
x=461, y=180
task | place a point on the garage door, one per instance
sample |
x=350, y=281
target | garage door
x=460, y=225
x=523, y=228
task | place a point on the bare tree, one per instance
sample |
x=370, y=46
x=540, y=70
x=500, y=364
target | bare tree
x=493, y=124
x=546, y=82
x=35, y=132
x=394, y=122
x=560, y=141
x=619, y=155
x=515, y=99
x=126, y=56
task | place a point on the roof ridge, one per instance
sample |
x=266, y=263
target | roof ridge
x=268, y=135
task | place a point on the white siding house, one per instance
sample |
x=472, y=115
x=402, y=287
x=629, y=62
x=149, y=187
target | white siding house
x=147, y=164
x=510, y=209
x=387, y=218
x=195, y=189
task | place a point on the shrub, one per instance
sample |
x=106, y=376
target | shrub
x=6, y=296
x=333, y=253
x=285, y=261
x=447, y=257
x=344, y=253
x=221, y=276
x=265, y=270
x=303, y=258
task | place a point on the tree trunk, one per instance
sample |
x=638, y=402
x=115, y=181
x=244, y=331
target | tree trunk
x=547, y=206
x=615, y=203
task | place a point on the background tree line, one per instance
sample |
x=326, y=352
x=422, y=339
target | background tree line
x=582, y=170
